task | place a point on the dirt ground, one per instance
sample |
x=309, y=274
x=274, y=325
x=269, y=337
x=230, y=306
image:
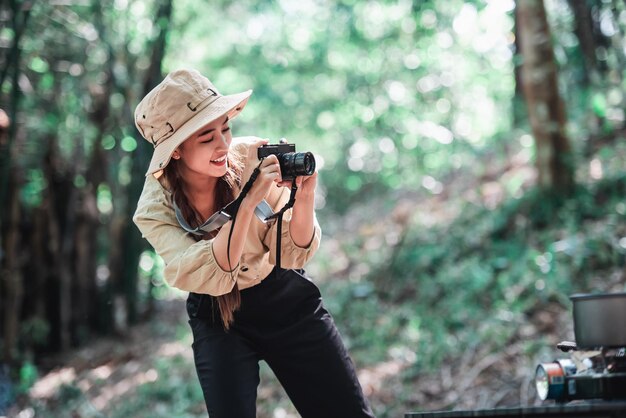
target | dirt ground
x=109, y=370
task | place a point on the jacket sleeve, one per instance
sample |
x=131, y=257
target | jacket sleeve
x=189, y=265
x=291, y=256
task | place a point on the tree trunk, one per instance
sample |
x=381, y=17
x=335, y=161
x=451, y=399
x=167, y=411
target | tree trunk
x=66, y=300
x=58, y=199
x=12, y=274
x=20, y=16
x=546, y=110
x=134, y=242
x=11, y=271
x=39, y=261
x=519, y=109
x=589, y=37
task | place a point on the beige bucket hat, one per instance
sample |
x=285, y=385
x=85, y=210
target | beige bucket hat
x=184, y=102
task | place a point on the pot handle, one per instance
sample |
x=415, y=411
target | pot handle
x=567, y=346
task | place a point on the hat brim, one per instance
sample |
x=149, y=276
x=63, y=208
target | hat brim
x=230, y=105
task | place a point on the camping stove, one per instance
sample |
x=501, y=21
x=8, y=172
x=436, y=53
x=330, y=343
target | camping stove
x=597, y=368
x=598, y=374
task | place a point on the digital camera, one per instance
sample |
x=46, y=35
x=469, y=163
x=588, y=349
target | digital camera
x=292, y=163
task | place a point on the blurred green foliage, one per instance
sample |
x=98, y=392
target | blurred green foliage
x=399, y=100
x=373, y=88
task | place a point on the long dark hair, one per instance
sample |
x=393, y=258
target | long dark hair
x=224, y=194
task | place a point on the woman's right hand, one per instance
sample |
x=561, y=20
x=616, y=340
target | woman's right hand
x=268, y=175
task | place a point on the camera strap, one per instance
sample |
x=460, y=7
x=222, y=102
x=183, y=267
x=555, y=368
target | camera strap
x=279, y=217
x=263, y=211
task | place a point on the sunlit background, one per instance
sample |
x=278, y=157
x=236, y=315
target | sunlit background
x=446, y=268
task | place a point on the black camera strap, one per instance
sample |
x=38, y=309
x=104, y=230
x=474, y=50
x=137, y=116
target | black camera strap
x=279, y=218
x=263, y=211
x=233, y=207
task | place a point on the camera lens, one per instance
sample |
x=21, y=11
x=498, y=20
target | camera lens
x=304, y=163
x=293, y=164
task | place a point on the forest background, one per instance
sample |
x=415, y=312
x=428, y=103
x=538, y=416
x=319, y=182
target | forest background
x=472, y=177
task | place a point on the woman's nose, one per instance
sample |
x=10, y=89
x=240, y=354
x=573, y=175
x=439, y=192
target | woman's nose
x=223, y=141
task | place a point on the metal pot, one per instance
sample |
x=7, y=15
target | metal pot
x=600, y=320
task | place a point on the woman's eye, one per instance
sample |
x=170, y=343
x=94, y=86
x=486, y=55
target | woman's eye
x=210, y=138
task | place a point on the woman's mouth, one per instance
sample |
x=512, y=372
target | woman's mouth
x=219, y=161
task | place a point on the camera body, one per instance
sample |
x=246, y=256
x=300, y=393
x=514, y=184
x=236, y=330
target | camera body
x=275, y=149
x=292, y=163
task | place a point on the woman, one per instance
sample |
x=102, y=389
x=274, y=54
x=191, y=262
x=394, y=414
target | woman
x=242, y=308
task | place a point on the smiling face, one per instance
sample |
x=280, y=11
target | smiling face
x=204, y=153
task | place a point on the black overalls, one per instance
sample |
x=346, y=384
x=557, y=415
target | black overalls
x=281, y=320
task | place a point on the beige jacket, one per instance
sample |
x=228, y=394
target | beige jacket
x=191, y=265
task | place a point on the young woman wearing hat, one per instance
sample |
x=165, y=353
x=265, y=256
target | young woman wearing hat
x=242, y=308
